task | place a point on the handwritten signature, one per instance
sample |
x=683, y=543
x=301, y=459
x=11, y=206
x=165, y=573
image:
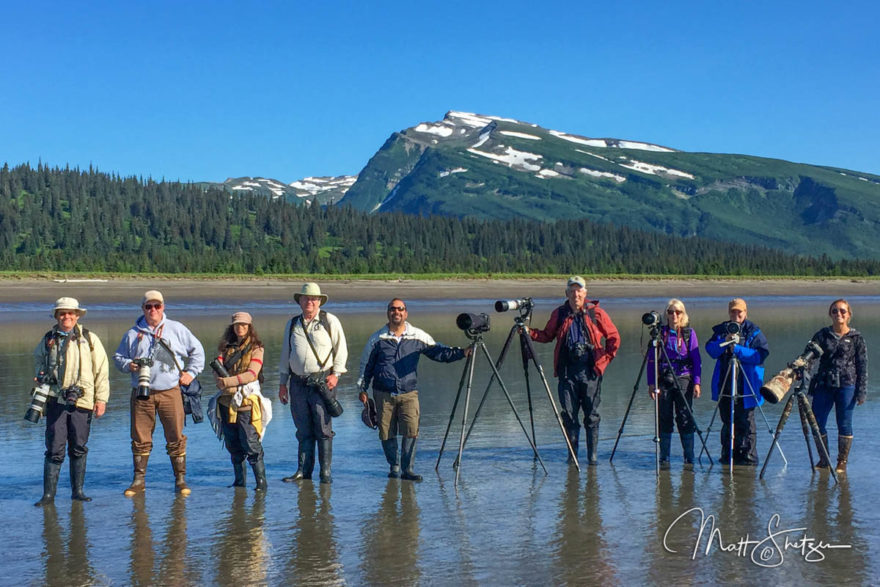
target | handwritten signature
x=766, y=552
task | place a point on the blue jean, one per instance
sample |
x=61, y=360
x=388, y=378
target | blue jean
x=842, y=399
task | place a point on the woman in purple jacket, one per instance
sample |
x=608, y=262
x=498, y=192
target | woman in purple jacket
x=683, y=352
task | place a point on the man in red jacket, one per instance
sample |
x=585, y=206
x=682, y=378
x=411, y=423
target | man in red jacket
x=581, y=356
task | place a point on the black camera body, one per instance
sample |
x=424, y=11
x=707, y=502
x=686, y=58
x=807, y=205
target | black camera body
x=318, y=382
x=71, y=394
x=582, y=350
x=651, y=318
x=473, y=324
x=143, y=376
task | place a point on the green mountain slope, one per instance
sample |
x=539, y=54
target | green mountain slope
x=476, y=166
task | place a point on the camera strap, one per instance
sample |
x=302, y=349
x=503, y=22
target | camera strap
x=167, y=347
x=322, y=319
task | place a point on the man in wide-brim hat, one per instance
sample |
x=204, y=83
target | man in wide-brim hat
x=72, y=362
x=313, y=346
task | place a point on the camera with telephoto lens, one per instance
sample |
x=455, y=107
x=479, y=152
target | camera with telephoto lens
x=732, y=327
x=39, y=395
x=143, y=376
x=71, y=394
x=318, y=381
x=473, y=323
x=520, y=304
x=651, y=318
x=775, y=389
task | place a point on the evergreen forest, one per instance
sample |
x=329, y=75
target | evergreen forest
x=74, y=220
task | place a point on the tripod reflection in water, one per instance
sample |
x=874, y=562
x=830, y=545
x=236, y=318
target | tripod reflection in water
x=580, y=550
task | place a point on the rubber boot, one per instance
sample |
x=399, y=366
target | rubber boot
x=392, y=455
x=593, y=445
x=305, y=462
x=77, y=478
x=51, y=470
x=408, y=459
x=665, y=445
x=844, y=444
x=823, y=463
x=140, y=471
x=260, y=475
x=240, y=472
x=325, y=458
x=178, y=465
x=574, y=437
x=687, y=450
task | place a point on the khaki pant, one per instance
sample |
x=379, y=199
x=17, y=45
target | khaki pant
x=398, y=414
x=168, y=404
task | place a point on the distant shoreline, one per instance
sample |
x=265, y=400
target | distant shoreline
x=120, y=289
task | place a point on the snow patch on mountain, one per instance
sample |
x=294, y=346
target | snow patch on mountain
x=596, y=173
x=606, y=143
x=312, y=186
x=654, y=169
x=521, y=135
x=512, y=158
x=437, y=129
x=446, y=172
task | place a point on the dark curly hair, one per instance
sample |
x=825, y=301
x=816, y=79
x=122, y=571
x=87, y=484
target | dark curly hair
x=229, y=337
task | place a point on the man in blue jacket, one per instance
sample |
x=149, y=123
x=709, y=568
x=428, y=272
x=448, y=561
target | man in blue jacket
x=389, y=362
x=175, y=357
x=750, y=347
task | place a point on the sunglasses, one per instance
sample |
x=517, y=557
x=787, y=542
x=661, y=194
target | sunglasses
x=397, y=308
x=671, y=312
x=841, y=311
x=152, y=306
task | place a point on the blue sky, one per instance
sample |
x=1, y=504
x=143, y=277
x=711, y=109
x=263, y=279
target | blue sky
x=208, y=90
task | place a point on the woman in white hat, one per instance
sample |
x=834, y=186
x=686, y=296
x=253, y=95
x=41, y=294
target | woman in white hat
x=71, y=363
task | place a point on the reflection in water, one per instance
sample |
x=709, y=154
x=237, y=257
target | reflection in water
x=314, y=556
x=390, y=538
x=172, y=564
x=242, y=550
x=66, y=564
x=579, y=546
x=675, y=566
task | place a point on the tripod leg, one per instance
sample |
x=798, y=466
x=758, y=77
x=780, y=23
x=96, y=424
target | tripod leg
x=524, y=351
x=543, y=378
x=629, y=405
x=786, y=412
x=766, y=422
x=512, y=406
x=467, y=399
x=501, y=358
x=811, y=418
x=805, y=427
x=464, y=372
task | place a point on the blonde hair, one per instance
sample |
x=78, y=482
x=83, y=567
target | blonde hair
x=677, y=304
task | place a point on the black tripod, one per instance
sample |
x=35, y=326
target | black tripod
x=476, y=338
x=733, y=369
x=808, y=422
x=654, y=347
x=527, y=351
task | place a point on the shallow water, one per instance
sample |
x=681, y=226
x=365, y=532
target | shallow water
x=506, y=522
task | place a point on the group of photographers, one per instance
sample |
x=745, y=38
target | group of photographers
x=164, y=358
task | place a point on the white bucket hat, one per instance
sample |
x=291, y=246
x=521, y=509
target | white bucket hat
x=68, y=304
x=310, y=289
